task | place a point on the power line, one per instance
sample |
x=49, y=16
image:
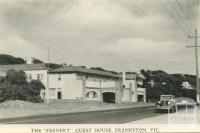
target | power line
x=143, y=13
x=148, y=15
x=172, y=16
x=164, y=12
x=178, y=15
x=198, y=13
x=47, y=87
x=182, y=10
x=138, y=9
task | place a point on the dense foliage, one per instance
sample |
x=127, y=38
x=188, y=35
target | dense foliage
x=53, y=65
x=37, y=61
x=15, y=87
x=8, y=59
x=166, y=84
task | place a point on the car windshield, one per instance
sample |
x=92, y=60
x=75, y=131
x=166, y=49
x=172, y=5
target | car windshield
x=166, y=97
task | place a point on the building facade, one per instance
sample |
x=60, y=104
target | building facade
x=77, y=83
x=32, y=71
x=82, y=84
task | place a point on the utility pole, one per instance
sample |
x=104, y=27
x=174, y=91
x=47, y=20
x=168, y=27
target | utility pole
x=47, y=88
x=196, y=61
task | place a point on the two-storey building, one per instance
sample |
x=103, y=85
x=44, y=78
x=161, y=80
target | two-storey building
x=82, y=84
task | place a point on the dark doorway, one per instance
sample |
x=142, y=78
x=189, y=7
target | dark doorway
x=140, y=98
x=109, y=97
x=59, y=95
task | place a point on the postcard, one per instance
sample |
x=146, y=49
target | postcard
x=99, y=66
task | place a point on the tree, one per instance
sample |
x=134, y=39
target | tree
x=191, y=79
x=98, y=68
x=37, y=61
x=16, y=77
x=15, y=87
x=172, y=84
x=83, y=66
x=9, y=59
x=33, y=91
x=53, y=65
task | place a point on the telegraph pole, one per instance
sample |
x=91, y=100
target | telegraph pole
x=196, y=61
x=47, y=88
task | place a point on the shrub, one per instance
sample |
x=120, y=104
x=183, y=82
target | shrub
x=15, y=87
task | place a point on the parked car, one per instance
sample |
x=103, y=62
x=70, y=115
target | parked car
x=167, y=103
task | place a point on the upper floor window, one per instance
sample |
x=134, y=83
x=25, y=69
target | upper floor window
x=40, y=77
x=29, y=77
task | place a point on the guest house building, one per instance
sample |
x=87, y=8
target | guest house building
x=74, y=83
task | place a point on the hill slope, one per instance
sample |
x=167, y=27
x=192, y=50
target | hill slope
x=9, y=59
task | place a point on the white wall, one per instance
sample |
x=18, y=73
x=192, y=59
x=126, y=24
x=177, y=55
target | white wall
x=102, y=84
x=125, y=95
x=108, y=84
x=35, y=73
x=71, y=88
x=134, y=90
x=95, y=84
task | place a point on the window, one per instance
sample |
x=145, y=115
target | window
x=40, y=76
x=29, y=77
x=92, y=94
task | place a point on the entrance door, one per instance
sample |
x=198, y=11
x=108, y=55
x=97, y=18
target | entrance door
x=59, y=95
x=140, y=98
x=109, y=97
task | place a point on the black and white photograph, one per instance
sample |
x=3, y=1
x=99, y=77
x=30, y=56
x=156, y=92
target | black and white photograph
x=99, y=66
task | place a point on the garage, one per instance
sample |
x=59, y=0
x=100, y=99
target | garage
x=109, y=97
x=140, y=98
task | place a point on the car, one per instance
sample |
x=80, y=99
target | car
x=167, y=103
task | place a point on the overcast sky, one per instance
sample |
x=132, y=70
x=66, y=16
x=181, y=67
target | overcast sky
x=120, y=35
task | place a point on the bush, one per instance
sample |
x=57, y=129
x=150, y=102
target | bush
x=15, y=87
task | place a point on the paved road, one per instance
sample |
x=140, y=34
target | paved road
x=97, y=117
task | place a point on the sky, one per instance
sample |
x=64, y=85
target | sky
x=118, y=35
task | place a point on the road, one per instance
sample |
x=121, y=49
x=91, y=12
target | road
x=95, y=117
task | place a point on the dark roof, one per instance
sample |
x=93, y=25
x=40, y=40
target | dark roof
x=23, y=67
x=75, y=69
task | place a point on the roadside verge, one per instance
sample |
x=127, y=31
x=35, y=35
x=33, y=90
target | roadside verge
x=14, y=109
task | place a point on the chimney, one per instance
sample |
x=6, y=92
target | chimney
x=29, y=60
